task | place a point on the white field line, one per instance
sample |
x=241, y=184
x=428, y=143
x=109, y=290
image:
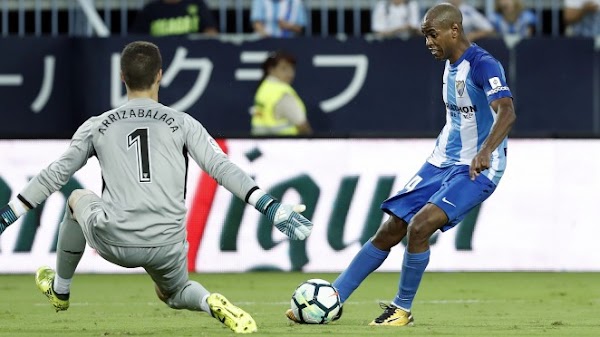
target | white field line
x=278, y=303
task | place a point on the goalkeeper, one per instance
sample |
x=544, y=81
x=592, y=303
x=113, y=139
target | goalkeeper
x=142, y=148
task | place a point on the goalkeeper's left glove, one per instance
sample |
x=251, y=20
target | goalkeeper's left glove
x=7, y=217
x=286, y=218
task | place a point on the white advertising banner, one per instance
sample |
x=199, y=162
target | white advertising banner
x=539, y=218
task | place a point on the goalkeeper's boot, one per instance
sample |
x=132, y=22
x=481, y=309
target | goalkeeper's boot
x=393, y=316
x=233, y=317
x=44, y=278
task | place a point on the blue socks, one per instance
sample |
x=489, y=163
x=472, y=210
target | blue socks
x=364, y=263
x=413, y=268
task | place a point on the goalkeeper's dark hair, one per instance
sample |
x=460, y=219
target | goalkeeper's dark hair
x=140, y=63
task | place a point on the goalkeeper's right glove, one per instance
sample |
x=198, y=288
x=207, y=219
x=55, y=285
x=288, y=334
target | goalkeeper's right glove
x=7, y=217
x=286, y=218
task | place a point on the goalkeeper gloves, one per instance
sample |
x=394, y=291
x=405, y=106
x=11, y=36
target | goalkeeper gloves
x=286, y=218
x=7, y=217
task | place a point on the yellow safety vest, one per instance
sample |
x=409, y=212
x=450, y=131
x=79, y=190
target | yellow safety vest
x=264, y=121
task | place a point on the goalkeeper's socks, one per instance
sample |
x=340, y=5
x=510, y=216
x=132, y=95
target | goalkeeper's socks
x=61, y=285
x=364, y=263
x=413, y=267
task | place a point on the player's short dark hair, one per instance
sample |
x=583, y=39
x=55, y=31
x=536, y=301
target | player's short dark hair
x=140, y=63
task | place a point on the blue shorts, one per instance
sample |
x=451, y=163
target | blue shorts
x=450, y=188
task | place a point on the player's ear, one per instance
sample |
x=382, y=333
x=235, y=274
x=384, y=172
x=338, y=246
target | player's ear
x=123, y=78
x=455, y=30
x=159, y=76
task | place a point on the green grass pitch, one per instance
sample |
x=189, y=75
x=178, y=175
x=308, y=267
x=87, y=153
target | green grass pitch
x=448, y=304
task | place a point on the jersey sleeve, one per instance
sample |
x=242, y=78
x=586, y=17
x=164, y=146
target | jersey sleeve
x=205, y=151
x=300, y=18
x=378, y=20
x=58, y=173
x=489, y=75
x=257, y=13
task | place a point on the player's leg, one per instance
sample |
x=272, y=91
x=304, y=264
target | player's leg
x=168, y=270
x=420, y=228
x=371, y=256
x=70, y=247
x=446, y=208
x=401, y=208
x=172, y=286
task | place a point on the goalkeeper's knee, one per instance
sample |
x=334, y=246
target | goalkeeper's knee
x=76, y=195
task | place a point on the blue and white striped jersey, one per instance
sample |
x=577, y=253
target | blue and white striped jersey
x=270, y=12
x=469, y=86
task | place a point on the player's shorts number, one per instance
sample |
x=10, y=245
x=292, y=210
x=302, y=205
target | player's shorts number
x=139, y=138
x=412, y=183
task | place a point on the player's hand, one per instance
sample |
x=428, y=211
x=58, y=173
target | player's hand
x=480, y=163
x=286, y=218
x=7, y=217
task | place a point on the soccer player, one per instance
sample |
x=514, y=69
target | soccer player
x=467, y=163
x=143, y=148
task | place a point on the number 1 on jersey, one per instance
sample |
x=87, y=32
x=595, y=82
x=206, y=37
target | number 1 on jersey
x=139, y=138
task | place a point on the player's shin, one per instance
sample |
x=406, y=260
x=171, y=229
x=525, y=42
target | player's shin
x=413, y=267
x=368, y=259
x=69, y=250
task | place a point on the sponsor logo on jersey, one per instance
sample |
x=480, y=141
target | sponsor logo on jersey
x=467, y=112
x=495, y=82
x=496, y=90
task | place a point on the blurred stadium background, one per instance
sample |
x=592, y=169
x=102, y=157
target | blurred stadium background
x=376, y=108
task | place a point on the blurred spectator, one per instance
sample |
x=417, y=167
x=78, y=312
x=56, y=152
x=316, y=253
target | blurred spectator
x=278, y=110
x=174, y=17
x=278, y=18
x=396, y=18
x=475, y=24
x=510, y=18
x=582, y=17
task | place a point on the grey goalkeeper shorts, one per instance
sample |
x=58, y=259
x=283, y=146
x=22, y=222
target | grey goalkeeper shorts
x=166, y=265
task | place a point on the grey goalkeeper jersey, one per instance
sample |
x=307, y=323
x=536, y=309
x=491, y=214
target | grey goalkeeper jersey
x=143, y=149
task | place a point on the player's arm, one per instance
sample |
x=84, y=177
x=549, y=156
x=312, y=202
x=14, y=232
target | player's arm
x=504, y=121
x=488, y=74
x=50, y=179
x=205, y=151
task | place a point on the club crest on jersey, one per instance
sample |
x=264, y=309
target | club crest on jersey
x=460, y=88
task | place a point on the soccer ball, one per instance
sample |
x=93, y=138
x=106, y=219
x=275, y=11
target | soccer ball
x=315, y=302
